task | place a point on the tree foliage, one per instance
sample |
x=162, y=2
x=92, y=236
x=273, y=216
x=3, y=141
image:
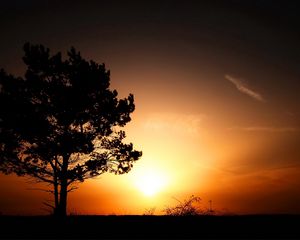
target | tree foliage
x=60, y=124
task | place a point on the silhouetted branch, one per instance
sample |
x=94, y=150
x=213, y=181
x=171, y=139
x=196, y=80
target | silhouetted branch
x=72, y=189
x=49, y=205
x=41, y=189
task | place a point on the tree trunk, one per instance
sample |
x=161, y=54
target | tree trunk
x=62, y=209
x=55, y=186
x=56, y=201
x=62, y=206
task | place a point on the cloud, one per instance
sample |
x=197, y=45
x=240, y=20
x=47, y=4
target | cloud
x=266, y=129
x=181, y=123
x=244, y=89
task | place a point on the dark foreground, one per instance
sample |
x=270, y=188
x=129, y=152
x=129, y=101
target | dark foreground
x=152, y=227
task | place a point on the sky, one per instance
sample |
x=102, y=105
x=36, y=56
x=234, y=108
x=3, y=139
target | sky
x=216, y=86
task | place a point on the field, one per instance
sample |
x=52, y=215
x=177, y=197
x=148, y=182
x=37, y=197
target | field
x=151, y=227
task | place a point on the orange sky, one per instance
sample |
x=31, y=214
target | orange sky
x=250, y=167
x=217, y=104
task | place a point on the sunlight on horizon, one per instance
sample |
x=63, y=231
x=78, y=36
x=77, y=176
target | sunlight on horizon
x=151, y=182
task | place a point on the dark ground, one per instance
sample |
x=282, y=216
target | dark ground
x=152, y=227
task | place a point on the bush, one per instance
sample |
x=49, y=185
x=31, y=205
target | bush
x=186, y=208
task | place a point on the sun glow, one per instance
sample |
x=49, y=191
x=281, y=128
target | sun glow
x=151, y=182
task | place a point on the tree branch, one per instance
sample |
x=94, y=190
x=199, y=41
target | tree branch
x=43, y=179
x=48, y=205
x=72, y=189
x=41, y=189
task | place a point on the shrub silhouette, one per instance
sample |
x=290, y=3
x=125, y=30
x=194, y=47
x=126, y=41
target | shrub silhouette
x=186, y=208
x=149, y=211
x=61, y=123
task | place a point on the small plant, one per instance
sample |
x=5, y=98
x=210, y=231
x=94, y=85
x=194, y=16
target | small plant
x=185, y=208
x=149, y=211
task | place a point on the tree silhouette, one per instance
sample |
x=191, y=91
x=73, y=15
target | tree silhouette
x=61, y=124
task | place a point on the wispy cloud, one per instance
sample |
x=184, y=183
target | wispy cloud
x=244, y=89
x=266, y=129
x=184, y=123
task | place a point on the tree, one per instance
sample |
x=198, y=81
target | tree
x=61, y=124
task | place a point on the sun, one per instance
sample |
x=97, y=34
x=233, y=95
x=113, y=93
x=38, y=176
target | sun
x=151, y=182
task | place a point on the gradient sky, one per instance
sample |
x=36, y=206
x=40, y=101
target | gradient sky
x=216, y=86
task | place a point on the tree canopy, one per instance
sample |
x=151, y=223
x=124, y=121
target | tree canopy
x=61, y=123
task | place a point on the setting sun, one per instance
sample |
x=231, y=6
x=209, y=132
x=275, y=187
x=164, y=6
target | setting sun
x=150, y=183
